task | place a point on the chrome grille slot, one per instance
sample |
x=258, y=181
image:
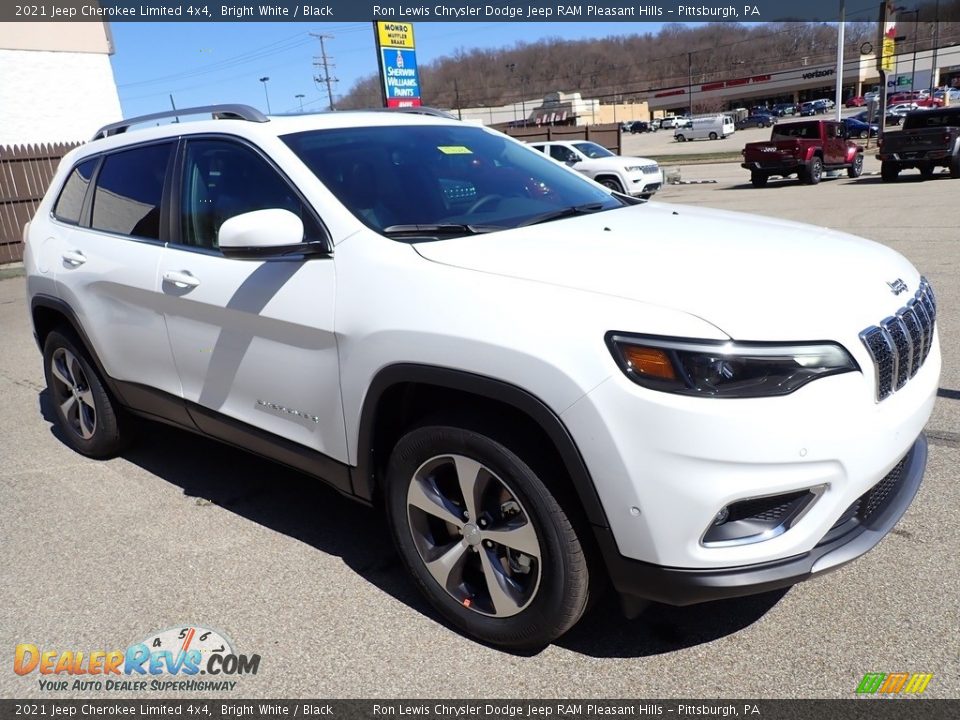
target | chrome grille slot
x=899, y=345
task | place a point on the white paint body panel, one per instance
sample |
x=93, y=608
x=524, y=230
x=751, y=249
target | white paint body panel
x=529, y=307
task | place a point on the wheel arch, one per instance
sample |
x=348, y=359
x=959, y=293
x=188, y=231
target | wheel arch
x=49, y=313
x=608, y=175
x=401, y=395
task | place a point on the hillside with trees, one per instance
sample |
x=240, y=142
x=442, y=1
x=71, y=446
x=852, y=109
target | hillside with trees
x=622, y=68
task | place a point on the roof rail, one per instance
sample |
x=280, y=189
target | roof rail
x=217, y=112
x=422, y=110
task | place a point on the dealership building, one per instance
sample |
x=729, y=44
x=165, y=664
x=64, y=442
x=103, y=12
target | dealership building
x=810, y=82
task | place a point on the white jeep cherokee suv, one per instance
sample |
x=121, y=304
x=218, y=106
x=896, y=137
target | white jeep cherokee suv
x=546, y=385
x=635, y=176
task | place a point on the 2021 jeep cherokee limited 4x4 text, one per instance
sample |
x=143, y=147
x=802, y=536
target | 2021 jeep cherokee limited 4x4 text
x=547, y=385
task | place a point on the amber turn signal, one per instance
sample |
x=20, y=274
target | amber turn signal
x=650, y=362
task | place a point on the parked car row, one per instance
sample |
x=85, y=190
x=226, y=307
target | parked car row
x=929, y=139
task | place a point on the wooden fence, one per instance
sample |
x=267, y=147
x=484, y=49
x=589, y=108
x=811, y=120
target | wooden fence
x=25, y=174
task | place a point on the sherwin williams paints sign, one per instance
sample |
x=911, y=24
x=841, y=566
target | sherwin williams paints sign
x=399, y=78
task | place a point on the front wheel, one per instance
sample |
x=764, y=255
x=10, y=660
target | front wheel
x=483, y=537
x=613, y=184
x=759, y=179
x=681, y=138
x=856, y=169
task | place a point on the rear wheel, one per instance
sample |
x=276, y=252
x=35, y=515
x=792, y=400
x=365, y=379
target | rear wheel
x=484, y=539
x=713, y=136
x=759, y=179
x=926, y=171
x=955, y=166
x=813, y=173
x=85, y=413
x=889, y=171
x=856, y=168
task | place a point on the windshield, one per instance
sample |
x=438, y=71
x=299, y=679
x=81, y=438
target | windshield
x=442, y=179
x=592, y=150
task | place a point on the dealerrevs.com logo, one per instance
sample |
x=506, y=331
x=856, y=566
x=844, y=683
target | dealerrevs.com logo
x=186, y=658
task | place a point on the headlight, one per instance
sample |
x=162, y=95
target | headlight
x=725, y=369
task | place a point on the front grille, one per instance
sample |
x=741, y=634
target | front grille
x=899, y=345
x=650, y=169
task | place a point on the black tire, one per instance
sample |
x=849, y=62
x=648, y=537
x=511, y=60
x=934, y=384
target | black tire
x=542, y=607
x=761, y=125
x=926, y=171
x=91, y=422
x=955, y=166
x=864, y=134
x=856, y=169
x=889, y=172
x=612, y=183
x=713, y=136
x=759, y=179
x=814, y=172
x=681, y=138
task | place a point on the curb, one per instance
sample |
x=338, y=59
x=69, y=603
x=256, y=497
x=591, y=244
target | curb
x=11, y=270
x=692, y=182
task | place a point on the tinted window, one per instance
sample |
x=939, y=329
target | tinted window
x=129, y=188
x=222, y=179
x=563, y=154
x=70, y=202
x=592, y=150
x=932, y=118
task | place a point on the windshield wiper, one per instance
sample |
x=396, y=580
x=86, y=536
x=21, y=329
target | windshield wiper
x=437, y=230
x=562, y=213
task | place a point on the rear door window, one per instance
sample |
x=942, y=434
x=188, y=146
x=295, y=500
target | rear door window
x=129, y=191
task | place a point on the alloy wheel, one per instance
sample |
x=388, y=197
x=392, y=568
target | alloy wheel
x=72, y=393
x=474, y=535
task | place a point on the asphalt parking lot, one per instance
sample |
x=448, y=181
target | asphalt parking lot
x=179, y=530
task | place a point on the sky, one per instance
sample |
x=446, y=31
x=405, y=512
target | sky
x=207, y=63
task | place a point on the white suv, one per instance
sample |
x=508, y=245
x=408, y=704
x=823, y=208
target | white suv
x=635, y=176
x=545, y=384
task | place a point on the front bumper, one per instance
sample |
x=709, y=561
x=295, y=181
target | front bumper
x=845, y=542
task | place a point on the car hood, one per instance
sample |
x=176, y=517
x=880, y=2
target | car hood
x=755, y=278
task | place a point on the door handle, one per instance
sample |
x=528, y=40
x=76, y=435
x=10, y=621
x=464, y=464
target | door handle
x=182, y=279
x=74, y=258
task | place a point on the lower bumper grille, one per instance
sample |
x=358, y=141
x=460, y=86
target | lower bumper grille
x=870, y=504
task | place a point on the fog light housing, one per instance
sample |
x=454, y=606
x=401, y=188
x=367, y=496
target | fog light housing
x=754, y=520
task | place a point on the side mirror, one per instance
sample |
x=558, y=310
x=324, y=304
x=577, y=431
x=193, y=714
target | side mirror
x=264, y=234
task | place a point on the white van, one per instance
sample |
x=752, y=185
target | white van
x=703, y=128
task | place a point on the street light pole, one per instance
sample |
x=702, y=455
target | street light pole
x=840, y=28
x=265, y=93
x=936, y=44
x=300, y=96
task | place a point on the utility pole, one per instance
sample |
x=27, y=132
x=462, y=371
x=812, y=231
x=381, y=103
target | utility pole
x=690, y=84
x=456, y=90
x=326, y=65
